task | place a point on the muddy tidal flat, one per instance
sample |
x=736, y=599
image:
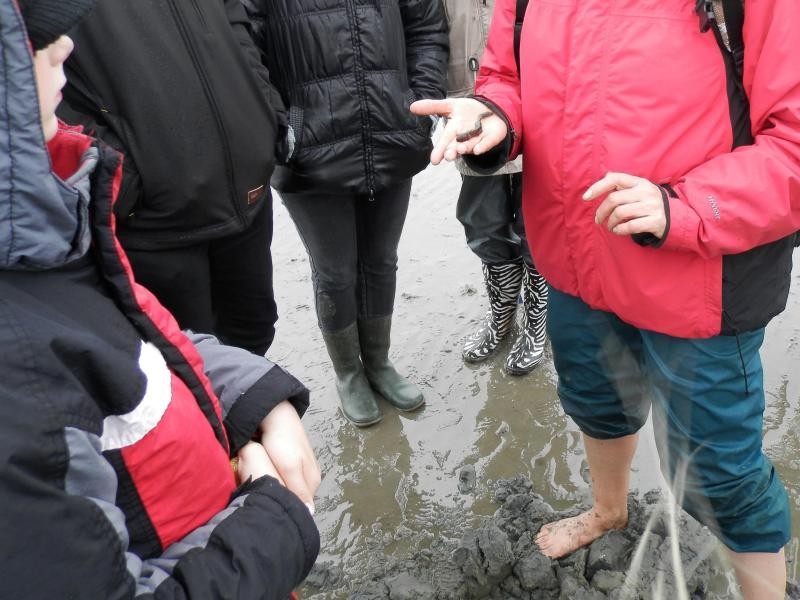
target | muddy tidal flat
x=443, y=503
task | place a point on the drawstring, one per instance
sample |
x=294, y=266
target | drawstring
x=738, y=347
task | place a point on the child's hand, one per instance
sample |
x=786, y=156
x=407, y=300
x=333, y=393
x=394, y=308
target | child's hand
x=254, y=462
x=288, y=448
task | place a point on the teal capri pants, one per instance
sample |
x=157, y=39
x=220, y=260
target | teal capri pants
x=707, y=398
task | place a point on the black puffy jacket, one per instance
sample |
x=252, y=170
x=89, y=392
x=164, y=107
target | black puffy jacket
x=178, y=87
x=348, y=71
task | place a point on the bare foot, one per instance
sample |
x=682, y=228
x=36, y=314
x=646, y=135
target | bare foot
x=567, y=535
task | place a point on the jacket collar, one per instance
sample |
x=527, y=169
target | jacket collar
x=43, y=218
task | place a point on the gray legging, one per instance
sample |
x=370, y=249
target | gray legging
x=352, y=246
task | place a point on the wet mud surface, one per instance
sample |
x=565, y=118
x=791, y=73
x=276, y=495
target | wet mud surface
x=499, y=559
x=443, y=502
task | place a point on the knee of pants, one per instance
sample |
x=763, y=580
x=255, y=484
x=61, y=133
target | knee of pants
x=597, y=357
x=378, y=269
x=747, y=510
x=604, y=418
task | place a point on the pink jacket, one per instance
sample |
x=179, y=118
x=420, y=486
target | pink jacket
x=633, y=86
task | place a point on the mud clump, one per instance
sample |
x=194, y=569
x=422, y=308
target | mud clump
x=500, y=560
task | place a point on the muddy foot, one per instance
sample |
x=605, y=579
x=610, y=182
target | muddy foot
x=567, y=535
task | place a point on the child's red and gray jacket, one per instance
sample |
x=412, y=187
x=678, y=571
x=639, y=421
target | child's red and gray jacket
x=116, y=429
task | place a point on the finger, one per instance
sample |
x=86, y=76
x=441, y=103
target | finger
x=443, y=108
x=255, y=462
x=312, y=473
x=614, y=200
x=626, y=212
x=295, y=481
x=609, y=183
x=272, y=471
x=469, y=146
x=647, y=224
x=493, y=132
x=446, y=145
x=451, y=152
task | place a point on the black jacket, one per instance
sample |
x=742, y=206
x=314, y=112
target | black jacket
x=348, y=71
x=178, y=87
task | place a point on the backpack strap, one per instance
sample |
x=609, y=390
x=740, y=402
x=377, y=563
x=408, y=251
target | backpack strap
x=522, y=5
x=726, y=17
x=730, y=22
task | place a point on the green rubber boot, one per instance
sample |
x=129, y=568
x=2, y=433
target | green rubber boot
x=374, y=334
x=359, y=403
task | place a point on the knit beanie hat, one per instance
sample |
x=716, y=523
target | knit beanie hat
x=48, y=20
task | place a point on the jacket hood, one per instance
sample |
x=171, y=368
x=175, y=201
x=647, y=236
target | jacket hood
x=43, y=218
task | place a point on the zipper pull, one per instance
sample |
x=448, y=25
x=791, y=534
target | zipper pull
x=372, y=194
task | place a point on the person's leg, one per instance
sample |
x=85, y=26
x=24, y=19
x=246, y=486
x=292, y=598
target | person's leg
x=708, y=404
x=379, y=226
x=180, y=279
x=528, y=349
x=486, y=212
x=761, y=575
x=519, y=237
x=241, y=285
x=327, y=227
x=609, y=466
x=326, y=224
x=601, y=387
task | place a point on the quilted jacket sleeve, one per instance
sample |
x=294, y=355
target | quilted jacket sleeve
x=427, y=46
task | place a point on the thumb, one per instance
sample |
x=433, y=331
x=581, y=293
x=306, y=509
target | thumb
x=441, y=108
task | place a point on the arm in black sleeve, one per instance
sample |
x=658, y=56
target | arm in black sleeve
x=248, y=387
x=237, y=17
x=261, y=546
x=427, y=46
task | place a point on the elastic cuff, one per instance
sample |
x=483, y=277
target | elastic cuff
x=647, y=238
x=489, y=162
x=245, y=416
x=294, y=507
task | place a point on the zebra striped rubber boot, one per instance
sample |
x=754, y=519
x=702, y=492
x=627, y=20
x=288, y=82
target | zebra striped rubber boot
x=528, y=349
x=503, y=282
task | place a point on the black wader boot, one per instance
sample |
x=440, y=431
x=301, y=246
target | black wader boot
x=503, y=282
x=528, y=349
x=359, y=403
x=374, y=334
